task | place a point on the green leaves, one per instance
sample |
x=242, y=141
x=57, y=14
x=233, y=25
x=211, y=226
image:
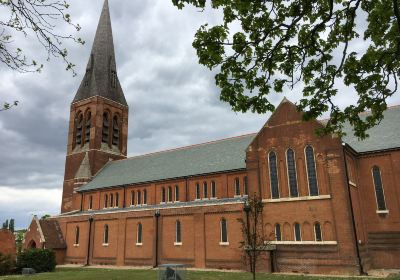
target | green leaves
x=313, y=43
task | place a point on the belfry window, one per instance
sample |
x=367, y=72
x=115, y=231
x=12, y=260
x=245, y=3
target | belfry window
x=88, y=124
x=115, y=136
x=205, y=190
x=224, y=231
x=197, y=191
x=317, y=232
x=273, y=174
x=178, y=237
x=292, y=175
x=176, y=193
x=76, y=236
x=213, y=189
x=237, y=186
x=311, y=171
x=380, y=195
x=113, y=79
x=144, y=197
x=278, y=235
x=297, y=232
x=139, y=234
x=105, y=131
x=79, y=127
x=105, y=236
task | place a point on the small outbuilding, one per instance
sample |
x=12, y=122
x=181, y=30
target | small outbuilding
x=46, y=234
x=7, y=243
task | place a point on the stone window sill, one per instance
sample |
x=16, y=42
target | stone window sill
x=300, y=198
x=237, y=195
x=139, y=244
x=76, y=245
x=382, y=211
x=224, y=243
x=105, y=244
x=178, y=243
x=352, y=184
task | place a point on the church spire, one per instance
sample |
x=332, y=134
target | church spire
x=101, y=72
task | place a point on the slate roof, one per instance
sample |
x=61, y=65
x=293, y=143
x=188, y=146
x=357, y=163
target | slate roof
x=222, y=155
x=100, y=65
x=52, y=234
x=384, y=136
x=212, y=157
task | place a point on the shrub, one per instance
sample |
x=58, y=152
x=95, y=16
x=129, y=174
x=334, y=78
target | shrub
x=6, y=264
x=41, y=260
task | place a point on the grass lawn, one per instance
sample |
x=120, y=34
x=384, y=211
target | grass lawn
x=115, y=274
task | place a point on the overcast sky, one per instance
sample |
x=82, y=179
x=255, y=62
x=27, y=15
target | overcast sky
x=173, y=100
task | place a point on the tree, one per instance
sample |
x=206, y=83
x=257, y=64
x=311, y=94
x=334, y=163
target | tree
x=38, y=19
x=11, y=225
x=256, y=242
x=44, y=217
x=5, y=225
x=315, y=44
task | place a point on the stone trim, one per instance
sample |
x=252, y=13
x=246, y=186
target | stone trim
x=300, y=198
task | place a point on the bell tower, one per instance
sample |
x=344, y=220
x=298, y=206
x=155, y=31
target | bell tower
x=98, y=126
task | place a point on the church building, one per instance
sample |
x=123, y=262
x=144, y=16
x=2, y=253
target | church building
x=331, y=204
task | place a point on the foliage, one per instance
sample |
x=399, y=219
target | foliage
x=44, y=217
x=253, y=231
x=318, y=44
x=6, y=264
x=19, y=240
x=11, y=226
x=5, y=225
x=41, y=260
x=7, y=106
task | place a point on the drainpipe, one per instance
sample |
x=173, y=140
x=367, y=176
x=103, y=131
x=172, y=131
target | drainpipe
x=156, y=215
x=362, y=272
x=90, y=233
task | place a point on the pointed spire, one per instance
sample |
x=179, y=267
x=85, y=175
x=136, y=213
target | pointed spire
x=101, y=72
x=84, y=170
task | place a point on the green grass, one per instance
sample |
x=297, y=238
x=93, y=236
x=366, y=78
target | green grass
x=123, y=274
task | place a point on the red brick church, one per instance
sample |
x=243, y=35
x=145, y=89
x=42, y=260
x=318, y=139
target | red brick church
x=332, y=205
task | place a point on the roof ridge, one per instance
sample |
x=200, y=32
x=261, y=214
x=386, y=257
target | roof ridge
x=187, y=147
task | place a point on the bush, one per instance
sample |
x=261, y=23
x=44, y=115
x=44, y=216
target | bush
x=6, y=264
x=41, y=260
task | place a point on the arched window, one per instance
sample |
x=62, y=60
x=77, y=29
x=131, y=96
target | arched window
x=213, y=189
x=139, y=198
x=88, y=124
x=237, y=186
x=169, y=194
x=79, y=127
x=292, y=174
x=116, y=199
x=115, y=136
x=90, y=202
x=139, y=234
x=380, y=194
x=163, y=195
x=278, y=234
x=224, y=231
x=77, y=235
x=144, y=197
x=197, y=191
x=111, y=200
x=105, y=237
x=178, y=238
x=297, y=232
x=176, y=193
x=317, y=232
x=105, y=201
x=132, y=198
x=245, y=186
x=205, y=190
x=106, y=127
x=273, y=174
x=311, y=171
